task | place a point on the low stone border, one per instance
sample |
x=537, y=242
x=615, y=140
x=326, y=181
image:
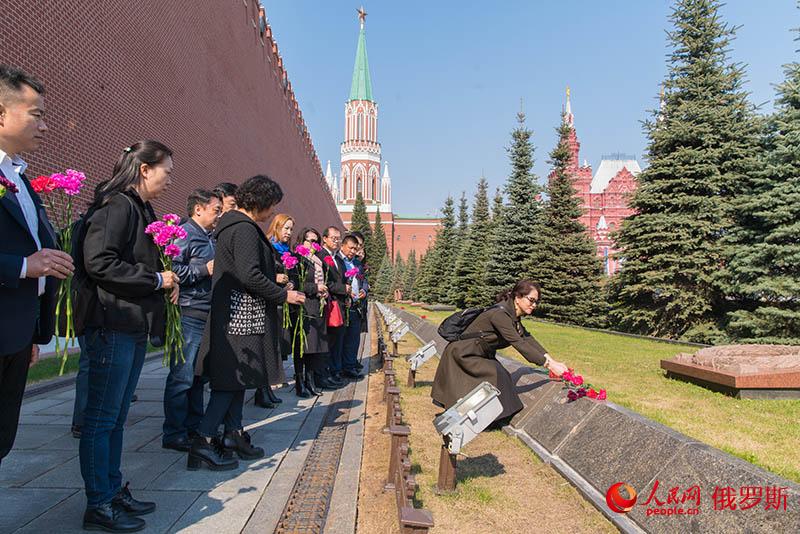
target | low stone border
x=595, y=444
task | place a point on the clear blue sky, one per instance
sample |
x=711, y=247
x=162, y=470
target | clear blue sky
x=448, y=77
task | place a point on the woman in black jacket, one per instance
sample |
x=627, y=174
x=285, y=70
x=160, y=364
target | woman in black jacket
x=240, y=344
x=120, y=299
x=314, y=325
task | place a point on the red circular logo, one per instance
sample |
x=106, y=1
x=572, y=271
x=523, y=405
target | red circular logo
x=617, y=502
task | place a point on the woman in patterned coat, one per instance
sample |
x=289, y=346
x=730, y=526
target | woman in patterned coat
x=240, y=344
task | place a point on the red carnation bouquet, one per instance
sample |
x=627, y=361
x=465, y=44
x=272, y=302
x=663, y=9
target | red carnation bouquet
x=577, y=388
x=165, y=232
x=58, y=192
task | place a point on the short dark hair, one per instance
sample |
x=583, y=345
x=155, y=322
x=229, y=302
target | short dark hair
x=301, y=237
x=200, y=197
x=358, y=235
x=12, y=79
x=226, y=189
x=258, y=193
x=327, y=231
x=350, y=238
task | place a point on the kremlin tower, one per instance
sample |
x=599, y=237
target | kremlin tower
x=360, y=170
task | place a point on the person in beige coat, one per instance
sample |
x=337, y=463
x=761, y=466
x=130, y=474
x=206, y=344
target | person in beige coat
x=471, y=360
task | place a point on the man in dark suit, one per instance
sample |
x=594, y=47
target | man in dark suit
x=338, y=289
x=29, y=264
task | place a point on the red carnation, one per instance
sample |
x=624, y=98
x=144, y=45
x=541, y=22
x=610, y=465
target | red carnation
x=329, y=261
x=43, y=184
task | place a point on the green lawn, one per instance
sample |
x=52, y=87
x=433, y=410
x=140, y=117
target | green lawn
x=49, y=367
x=763, y=432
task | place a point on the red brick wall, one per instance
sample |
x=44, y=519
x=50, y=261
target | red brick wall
x=200, y=76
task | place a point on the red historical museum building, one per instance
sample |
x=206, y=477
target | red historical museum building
x=604, y=194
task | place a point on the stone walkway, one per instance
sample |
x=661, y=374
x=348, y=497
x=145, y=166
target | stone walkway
x=41, y=489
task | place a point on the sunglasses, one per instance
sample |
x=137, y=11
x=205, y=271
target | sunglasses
x=533, y=302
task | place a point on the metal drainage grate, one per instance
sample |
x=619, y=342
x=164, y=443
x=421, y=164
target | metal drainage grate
x=307, y=507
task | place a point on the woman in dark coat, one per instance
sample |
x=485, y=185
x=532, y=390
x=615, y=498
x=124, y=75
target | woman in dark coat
x=119, y=303
x=240, y=344
x=314, y=325
x=470, y=361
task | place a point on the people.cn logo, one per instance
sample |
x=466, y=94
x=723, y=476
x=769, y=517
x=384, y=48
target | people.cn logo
x=617, y=502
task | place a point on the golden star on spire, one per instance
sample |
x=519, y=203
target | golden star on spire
x=362, y=15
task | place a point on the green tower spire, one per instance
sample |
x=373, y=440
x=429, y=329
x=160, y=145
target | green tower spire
x=361, y=88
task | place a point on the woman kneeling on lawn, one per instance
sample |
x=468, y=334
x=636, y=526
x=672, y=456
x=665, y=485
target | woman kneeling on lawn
x=471, y=360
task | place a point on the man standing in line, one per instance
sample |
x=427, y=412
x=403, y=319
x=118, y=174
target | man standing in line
x=226, y=192
x=352, y=335
x=338, y=290
x=28, y=261
x=183, y=392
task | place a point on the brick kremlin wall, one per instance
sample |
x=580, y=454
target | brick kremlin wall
x=202, y=76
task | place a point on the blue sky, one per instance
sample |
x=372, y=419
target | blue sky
x=448, y=77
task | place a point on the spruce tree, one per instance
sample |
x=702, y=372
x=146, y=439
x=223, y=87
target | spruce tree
x=383, y=282
x=702, y=146
x=564, y=260
x=497, y=205
x=410, y=277
x=514, y=234
x=359, y=222
x=470, y=272
x=423, y=287
x=763, y=251
x=379, y=248
x=398, y=274
x=442, y=260
x=463, y=222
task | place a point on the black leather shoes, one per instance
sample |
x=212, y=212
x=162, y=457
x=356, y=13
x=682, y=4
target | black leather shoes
x=181, y=444
x=111, y=519
x=211, y=454
x=274, y=399
x=311, y=386
x=124, y=501
x=262, y=401
x=239, y=442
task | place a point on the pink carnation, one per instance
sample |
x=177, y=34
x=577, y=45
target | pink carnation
x=154, y=228
x=171, y=219
x=289, y=261
x=601, y=395
x=352, y=272
x=577, y=380
x=173, y=251
x=316, y=246
x=303, y=251
x=567, y=376
x=71, y=182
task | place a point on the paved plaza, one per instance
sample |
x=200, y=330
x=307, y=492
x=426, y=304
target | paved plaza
x=41, y=488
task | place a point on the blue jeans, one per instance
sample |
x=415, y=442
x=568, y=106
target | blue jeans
x=336, y=348
x=115, y=362
x=81, y=385
x=183, y=392
x=352, y=341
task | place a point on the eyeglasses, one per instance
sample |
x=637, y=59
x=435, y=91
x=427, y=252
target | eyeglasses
x=533, y=302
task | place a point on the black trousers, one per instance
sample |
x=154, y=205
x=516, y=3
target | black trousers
x=13, y=375
x=223, y=407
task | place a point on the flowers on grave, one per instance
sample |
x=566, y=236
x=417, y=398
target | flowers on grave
x=58, y=191
x=164, y=233
x=6, y=186
x=576, y=387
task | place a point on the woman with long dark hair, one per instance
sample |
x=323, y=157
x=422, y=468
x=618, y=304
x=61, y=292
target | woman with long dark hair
x=120, y=303
x=314, y=326
x=471, y=360
x=239, y=349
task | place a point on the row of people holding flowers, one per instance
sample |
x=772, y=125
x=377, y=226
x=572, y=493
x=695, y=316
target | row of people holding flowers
x=210, y=289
